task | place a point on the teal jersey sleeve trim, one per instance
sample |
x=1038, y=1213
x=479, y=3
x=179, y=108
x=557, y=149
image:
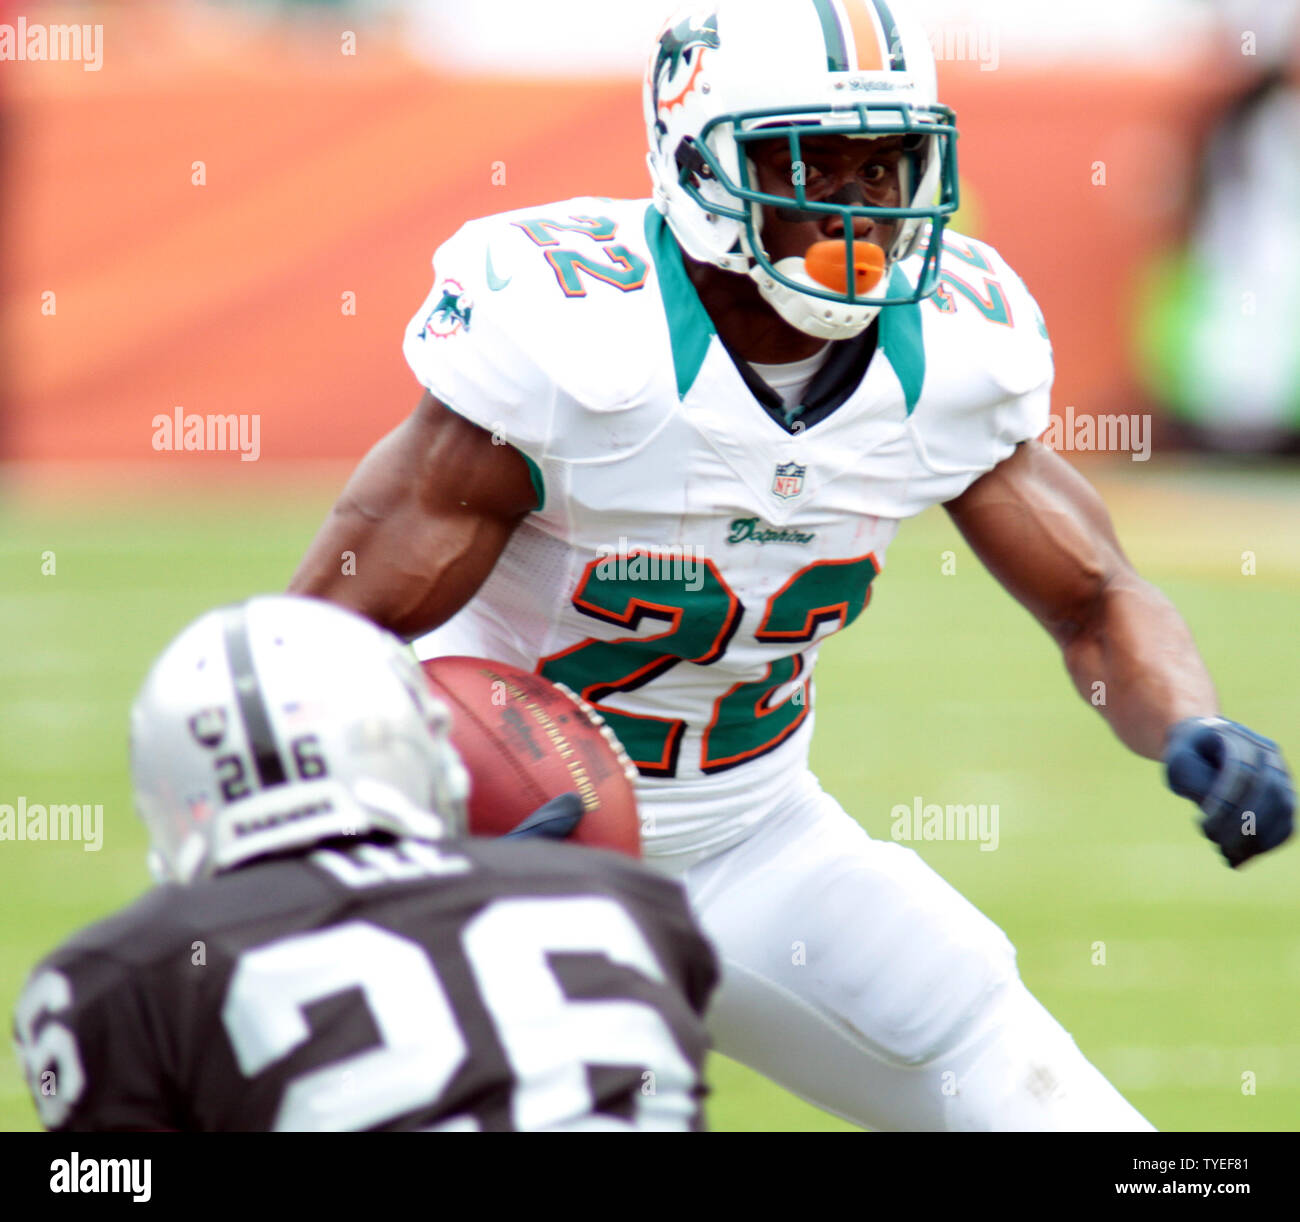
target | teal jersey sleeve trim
x=534, y=474
x=901, y=338
x=690, y=328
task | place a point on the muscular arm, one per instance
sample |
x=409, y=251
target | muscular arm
x=426, y=515
x=1043, y=532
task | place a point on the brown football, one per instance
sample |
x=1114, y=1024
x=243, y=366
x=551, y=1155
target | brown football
x=526, y=740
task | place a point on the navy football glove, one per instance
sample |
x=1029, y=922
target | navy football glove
x=1238, y=779
x=554, y=821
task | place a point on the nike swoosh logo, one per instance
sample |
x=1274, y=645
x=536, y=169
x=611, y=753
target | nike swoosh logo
x=495, y=283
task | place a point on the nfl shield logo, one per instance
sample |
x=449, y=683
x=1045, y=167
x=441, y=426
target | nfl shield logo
x=788, y=482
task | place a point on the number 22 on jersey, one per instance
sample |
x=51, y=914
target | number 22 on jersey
x=622, y=267
x=702, y=613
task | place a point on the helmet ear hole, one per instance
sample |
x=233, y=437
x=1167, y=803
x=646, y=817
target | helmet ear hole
x=691, y=163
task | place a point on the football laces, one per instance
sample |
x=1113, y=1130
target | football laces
x=629, y=768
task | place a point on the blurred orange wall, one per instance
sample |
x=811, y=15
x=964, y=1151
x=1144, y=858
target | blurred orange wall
x=326, y=177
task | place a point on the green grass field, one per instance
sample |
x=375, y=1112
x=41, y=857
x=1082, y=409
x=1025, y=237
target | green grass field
x=944, y=689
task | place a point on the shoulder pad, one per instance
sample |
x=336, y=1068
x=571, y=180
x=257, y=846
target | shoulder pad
x=542, y=318
x=988, y=366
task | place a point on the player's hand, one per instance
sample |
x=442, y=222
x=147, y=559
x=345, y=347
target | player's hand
x=1238, y=779
x=554, y=821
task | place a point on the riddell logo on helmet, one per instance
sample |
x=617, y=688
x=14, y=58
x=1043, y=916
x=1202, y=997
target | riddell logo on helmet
x=278, y=818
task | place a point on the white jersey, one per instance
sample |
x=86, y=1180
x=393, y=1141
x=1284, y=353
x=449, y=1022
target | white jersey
x=691, y=549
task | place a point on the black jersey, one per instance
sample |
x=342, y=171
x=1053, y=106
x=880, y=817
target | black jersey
x=467, y=985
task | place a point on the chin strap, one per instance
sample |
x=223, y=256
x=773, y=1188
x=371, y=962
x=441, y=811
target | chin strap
x=813, y=316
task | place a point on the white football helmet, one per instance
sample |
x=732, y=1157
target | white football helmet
x=727, y=73
x=282, y=722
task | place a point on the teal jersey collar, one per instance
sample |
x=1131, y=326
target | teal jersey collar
x=691, y=330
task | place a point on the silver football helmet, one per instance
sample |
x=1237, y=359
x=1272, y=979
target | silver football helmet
x=282, y=722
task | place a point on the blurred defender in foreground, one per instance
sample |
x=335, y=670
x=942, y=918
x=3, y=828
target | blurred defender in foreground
x=326, y=952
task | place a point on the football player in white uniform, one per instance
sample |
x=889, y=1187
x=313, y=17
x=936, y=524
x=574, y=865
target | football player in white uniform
x=665, y=447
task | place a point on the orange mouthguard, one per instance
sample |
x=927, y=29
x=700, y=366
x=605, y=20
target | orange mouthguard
x=827, y=263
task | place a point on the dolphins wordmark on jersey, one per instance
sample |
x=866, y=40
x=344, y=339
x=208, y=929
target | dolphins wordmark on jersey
x=690, y=550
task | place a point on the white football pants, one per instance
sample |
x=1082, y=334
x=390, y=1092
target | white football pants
x=856, y=977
